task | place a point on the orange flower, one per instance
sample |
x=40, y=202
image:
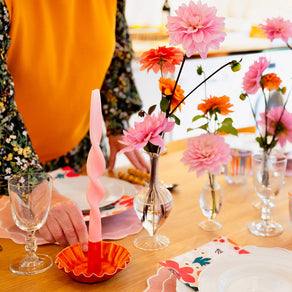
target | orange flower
x=162, y=58
x=216, y=104
x=166, y=86
x=271, y=81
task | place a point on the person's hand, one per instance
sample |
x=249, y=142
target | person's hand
x=135, y=156
x=65, y=223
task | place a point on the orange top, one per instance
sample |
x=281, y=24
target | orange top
x=60, y=51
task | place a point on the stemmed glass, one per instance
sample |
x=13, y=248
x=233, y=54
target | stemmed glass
x=30, y=198
x=268, y=177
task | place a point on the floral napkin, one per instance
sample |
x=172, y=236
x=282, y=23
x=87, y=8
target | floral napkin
x=187, y=267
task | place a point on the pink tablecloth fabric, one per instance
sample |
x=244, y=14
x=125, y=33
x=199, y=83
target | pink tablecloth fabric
x=113, y=227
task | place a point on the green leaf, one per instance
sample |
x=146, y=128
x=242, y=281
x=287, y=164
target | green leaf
x=164, y=104
x=226, y=127
x=260, y=140
x=204, y=127
x=151, y=109
x=227, y=122
x=176, y=119
x=190, y=129
x=228, y=130
x=195, y=118
x=273, y=144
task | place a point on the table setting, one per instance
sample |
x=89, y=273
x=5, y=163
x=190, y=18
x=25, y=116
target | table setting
x=200, y=231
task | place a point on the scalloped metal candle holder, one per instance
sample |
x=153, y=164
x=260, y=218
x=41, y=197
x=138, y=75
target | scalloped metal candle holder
x=74, y=262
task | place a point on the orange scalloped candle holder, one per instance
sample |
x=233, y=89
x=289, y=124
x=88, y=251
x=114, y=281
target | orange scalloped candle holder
x=74, y=262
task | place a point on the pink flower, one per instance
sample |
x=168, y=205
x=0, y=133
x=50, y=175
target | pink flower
x=197, y=28
x=149, y=130
x=184, y=273
x=277, y=28
x=207, y=152
x=284, y=127
x=252, y=78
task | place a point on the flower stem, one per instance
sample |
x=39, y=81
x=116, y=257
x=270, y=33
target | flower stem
x=175, y=85
x=213, y=193
x=205, y=80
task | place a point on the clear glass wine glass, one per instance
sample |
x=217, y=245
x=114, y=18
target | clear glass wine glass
x=30, y=197
x=268, y=177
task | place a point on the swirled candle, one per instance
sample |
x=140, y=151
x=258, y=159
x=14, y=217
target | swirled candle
x=95, y=192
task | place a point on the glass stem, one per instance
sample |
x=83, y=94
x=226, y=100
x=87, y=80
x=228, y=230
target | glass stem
x=31, y=245
x=266, y=212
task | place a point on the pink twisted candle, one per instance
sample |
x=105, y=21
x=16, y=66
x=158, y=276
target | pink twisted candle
x=95, y=192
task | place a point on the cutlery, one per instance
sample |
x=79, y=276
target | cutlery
x=142, y=178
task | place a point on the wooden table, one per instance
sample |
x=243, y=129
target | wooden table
x=181, y=228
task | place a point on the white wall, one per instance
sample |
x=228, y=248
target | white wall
x=148, y=12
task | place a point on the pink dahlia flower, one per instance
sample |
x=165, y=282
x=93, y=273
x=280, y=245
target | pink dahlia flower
x=149, y=130
x=197, y=28
x=277, y=28
x=285, y=125
x=252, y=78
x=207, y=152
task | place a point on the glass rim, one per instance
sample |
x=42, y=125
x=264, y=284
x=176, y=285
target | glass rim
x=279, y=157
x=24, y=174
x=240, y=152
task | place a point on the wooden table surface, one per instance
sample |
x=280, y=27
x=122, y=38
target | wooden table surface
x=181, y=227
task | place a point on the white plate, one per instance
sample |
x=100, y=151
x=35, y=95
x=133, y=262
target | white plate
x=248, y=272
x=74, y=188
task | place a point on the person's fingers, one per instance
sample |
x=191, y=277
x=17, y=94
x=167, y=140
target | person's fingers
x=112, y=159
x=64, y=220
x=46, y=234
x=65, y=224
x=142, y=160
x=55, y=230
x=134, y=160
x=78, y=223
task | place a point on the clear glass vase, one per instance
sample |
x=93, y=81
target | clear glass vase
x=153, y=204
x=211, y=199
x=268, y=177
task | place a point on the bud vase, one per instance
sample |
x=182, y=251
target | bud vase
x=211, y=199
x=153, y=204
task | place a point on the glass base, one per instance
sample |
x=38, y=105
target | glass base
x=210, y=225
x=147, y=242
x=261, y=228
x=24, y=266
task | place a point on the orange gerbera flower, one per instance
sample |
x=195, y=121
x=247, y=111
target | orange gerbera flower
x=271, y=81
x=162, y=58
x=166, y=86
x=216, y=104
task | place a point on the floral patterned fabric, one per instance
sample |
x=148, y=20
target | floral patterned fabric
x=119, y=97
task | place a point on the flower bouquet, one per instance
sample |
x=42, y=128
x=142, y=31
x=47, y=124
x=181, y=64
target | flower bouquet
x=274, y=126
x=208, y=153
x=197, y=29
